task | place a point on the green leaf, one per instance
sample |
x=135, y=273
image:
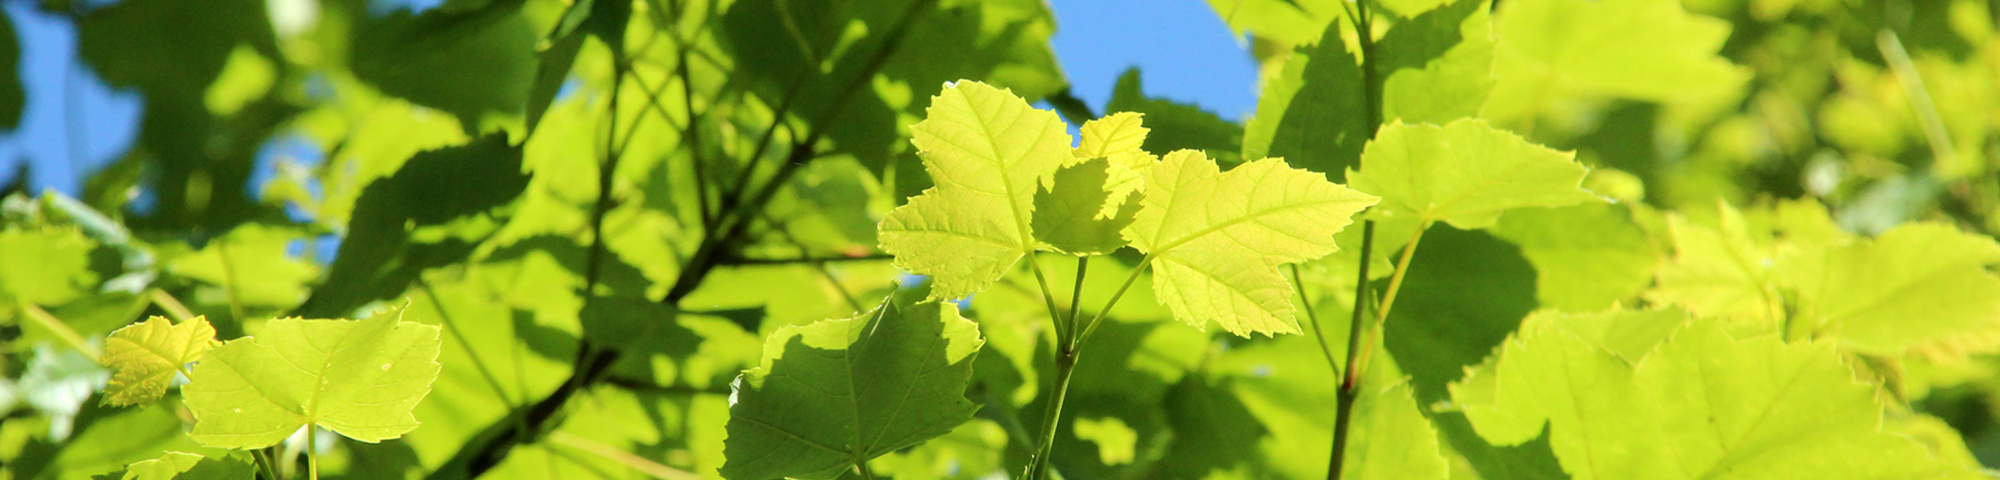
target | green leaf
x=249, y=266
x=1465, y=173
x=1120, y=139
x=1175, y=125
x=835, y=393
x=1284, y=21
x=1719, y=272
x=467, y=63
x=1088, y=204
x=1434, y=67
x=986, y=149
x=435, y=190
x=190, y=466
x=605, y=20
x=1915, y=284
x=1216, y=239
x=1393, y=439
x=1312, y=113
x=12, y=96
x=1701, y=405
x=1551, y=51
x=144, y=357
x=1068, y=215
x=1437, y=66
x=1116, y=133
x=44, y=266
x=358, y=378
x=1464, y=293
x=1587, y=257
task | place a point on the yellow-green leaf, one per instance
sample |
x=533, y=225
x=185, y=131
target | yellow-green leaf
x=1700, y=404
x=1551, y=52
x=190, y=466
x=1069, y=218
x=1718, y=272
x=986, y=150
x=1216, y=239
x=1917, y=283
x=358, y=378
x=1118, y=138
x=1115, y=133
x=44, y=266
x=145, y=356
x=1464, y=173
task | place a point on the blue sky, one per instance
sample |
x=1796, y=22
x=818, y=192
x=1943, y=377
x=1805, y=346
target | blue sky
x=73, y=124
x=1183, y=51
x=69, y=113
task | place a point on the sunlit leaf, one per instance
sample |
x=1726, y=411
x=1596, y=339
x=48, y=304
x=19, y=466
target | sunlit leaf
x=190, y=466
x=1552, y=51
x=1216, y=239
x=144, y=357
x=1701, y=405
x=44, y=266
x=1917, y=283
x=358, y=378
x=1465, y=173
x=1068, y=214
x=986, y=150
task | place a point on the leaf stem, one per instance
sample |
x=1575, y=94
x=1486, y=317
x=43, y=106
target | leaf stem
x=312, y=452
x=48, y=321
x=1312, y=319
x=805, y=259
x=1344, y=405
x=621, y=457
x=1065, y=365
x=1350, y=385
x=458, y=335
x=1076, y=294
x=1402, y=267
x=1066, y=351
x=172, y=305
x=1120, y=293
x=1920, y=98
x=1065, y=326
x=229, y=276
x=264, y=463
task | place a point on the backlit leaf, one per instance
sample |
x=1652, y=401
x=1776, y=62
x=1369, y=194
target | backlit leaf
x=44, y=266
x=1118, y=138
x=358, y=378
x=1917, y=283
x=1701, y=405
x=1718, y=272
x=836, y=392
x=1216, y=239
x=1465, y=173
x=986, y=150
x=1312, y=112
x=145, y=356
x=1586, y=256
x=1551, y=51
x=190, y=466
x=1068, y=215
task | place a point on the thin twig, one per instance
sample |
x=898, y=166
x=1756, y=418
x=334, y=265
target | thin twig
x=806, y=259
x=48, y=321
x=172, y=305
x=621, y=457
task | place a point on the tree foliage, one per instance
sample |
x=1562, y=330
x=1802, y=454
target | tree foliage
x=754, y=239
